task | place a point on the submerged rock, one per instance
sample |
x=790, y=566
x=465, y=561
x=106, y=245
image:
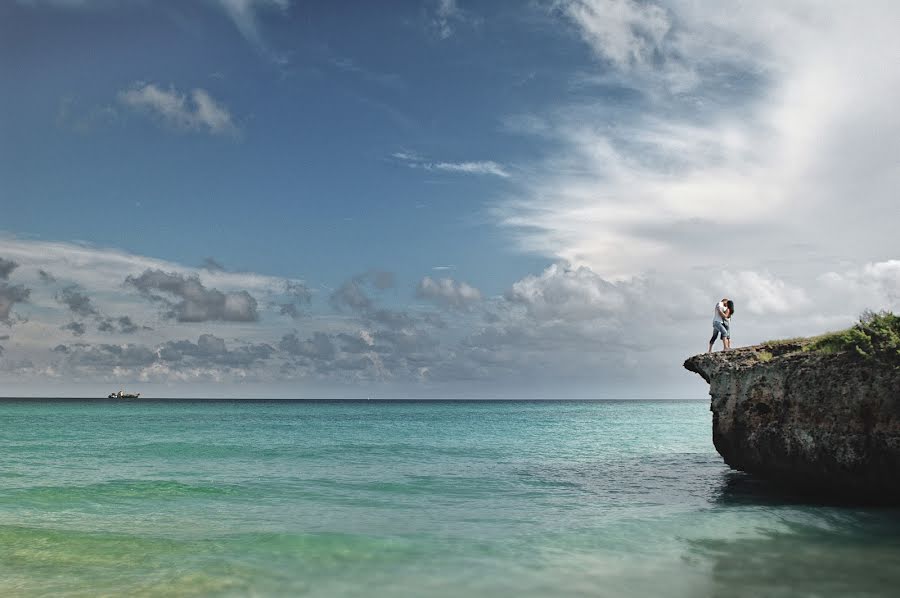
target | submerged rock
x=826, y=422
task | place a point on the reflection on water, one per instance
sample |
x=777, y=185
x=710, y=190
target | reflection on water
x=797, y=544
x=836, y=554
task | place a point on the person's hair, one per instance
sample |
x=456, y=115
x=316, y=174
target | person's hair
x=730, y=305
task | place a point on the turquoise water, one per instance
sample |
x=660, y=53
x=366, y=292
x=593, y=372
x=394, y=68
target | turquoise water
x=231, y=498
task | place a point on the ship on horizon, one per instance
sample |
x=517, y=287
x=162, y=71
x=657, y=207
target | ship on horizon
x=124, y=395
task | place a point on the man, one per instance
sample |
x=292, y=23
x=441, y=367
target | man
x=720, y=325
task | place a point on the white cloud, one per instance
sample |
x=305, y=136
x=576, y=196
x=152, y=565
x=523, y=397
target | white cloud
x=244, y=15
x=448, y=291
x=764, y=293
x=625, y=32
x=567, y=325
x=446, y=15
x=873, y=284
x=483, y=167
x=488, y=167
x=563, y=293
x=788, y=133
x=199, y=112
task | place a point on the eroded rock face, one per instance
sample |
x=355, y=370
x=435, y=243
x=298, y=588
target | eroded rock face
x=829, y=423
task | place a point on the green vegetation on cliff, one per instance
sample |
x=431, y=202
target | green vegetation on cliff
x=875, y=337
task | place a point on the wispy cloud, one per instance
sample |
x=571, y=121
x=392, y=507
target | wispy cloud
x=444, y=16
x=348, y=65
x=243, y=13
x=623, y=32
x=770, y=141
x=245, y=16
x=488, y=167
x=195, y=112
x=83, y=120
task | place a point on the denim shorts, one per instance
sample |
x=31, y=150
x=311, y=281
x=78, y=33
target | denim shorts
x=719, y=328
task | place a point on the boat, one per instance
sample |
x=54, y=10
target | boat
x=124, y=395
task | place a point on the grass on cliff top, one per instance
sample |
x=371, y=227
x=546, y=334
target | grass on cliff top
x=875, y=337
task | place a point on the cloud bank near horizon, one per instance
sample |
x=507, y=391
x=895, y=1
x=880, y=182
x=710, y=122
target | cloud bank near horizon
x=565, y=323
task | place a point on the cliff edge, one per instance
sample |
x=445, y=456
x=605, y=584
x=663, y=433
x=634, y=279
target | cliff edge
x=826, y=421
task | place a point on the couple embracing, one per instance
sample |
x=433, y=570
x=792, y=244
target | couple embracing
x=722, y=323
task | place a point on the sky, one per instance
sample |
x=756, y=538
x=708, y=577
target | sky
x=435, y=198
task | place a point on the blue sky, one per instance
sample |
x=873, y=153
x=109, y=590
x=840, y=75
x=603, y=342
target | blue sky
x=310, y=162
x=457, y=199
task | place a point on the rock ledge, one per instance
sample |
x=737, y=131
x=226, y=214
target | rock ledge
x=828, y=423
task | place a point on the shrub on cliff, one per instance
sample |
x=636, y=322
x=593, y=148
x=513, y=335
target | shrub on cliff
x=875, y=337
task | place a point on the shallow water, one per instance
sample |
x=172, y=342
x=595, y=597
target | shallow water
x=580, y=498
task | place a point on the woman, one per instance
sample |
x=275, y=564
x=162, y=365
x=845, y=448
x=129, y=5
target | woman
x=721, y=315
x=729, y=311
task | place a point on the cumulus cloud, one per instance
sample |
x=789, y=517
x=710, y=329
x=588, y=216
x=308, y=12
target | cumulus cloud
x=6, y=268
x=107, y=356
x=447, y=291
x=300, y=297
x=561, y=292
x=357, y=296
x=488, y=167
x=351, y=296
x=9, y=296
x=78, y=303
x=46, y=276
x=319, y=347
x=122, y=324
x=765, y=294
x=354, y=294
x=212, y=350
x=195, y=112
x=875, y=285
x=182, y=360
x=76, y=328
x=193, y=301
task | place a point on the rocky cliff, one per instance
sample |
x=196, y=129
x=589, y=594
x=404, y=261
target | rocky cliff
x=828, y=422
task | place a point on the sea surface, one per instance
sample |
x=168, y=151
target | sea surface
x=378, y=498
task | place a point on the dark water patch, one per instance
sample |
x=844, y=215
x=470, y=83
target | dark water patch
x=674, y=477
x=739, y=488
x=843, y=558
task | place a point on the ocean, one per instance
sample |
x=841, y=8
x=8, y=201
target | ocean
x=409, y=498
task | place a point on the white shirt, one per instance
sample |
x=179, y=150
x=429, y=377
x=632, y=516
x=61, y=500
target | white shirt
x=719, y=313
